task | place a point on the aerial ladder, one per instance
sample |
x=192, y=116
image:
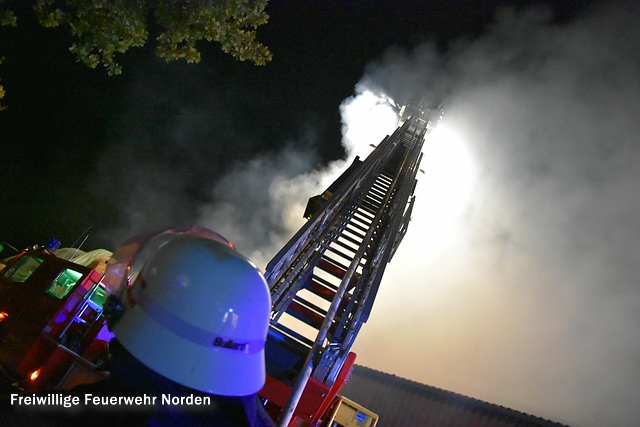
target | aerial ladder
x=324, y=281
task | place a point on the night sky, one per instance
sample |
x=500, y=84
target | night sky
x=517, y=282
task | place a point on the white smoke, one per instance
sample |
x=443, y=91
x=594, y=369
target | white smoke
x=260, y=203
x=533, y=301
x=367, y=118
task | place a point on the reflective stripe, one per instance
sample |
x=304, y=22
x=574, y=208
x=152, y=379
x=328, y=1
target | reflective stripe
x=191, y=332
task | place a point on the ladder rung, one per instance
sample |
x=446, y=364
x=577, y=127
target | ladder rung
x=332, y=267
x=305, y=314
x=292, y=334
x=363, y=221
x=374, y=206
x=337, y=263
x=365, y=213
x=347, y=247
x=325, y=283
x=359, y=227
x=380, y=185
x=368, y=210
x=374, y=198
x=355, y=233
x=386, y=177
x=349, y=239
x=373, y=202
x=383, y=181
x=377, y=192
x=340, y=253
x=326, y=292
x=308, y=304
x=360, y=216
x=376, y=195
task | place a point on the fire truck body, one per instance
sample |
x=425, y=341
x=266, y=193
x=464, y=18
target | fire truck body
x=51, y=315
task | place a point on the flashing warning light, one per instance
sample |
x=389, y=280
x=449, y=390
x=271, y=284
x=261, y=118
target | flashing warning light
x=34, y=375
x=54, y=244
x=3, y=315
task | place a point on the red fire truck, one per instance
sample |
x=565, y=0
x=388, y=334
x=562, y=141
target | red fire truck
x=50, y=319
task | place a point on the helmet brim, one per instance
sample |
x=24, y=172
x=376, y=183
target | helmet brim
x=204, y=368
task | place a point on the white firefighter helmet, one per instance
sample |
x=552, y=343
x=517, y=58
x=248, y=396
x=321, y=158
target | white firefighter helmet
x=195, y=311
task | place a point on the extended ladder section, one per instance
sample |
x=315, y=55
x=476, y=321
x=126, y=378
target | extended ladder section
x=324, y=281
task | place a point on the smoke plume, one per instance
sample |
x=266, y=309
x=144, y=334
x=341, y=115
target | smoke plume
x=532, y=301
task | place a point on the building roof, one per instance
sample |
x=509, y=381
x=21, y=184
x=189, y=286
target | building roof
x=401, y=402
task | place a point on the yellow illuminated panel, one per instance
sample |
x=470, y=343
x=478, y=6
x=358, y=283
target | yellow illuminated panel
x=346, y=413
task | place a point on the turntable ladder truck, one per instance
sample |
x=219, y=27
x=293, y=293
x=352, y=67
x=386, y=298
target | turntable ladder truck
x=325, y=279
